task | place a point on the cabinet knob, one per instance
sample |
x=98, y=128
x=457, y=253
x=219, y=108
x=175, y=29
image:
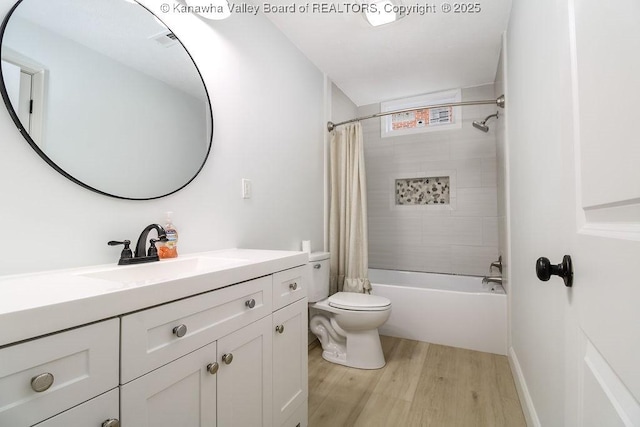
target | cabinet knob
x=213, y=368
x=42, y=382
x=280, y=329
x=250, y=303
x=227, y=358
x=180, y=331
x=111, y=423
x=293, y=286
x=317, y=266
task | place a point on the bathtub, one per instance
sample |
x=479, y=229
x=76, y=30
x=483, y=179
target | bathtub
x=457, y=311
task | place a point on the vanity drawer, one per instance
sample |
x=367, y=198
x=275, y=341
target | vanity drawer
x=95, y=412
x=82, y=363
x=289, y=286
x=154, y=337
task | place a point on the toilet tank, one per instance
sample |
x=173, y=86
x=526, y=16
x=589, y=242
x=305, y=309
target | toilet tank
x=319, y=276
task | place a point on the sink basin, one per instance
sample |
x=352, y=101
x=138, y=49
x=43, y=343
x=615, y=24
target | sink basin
x=165, y=270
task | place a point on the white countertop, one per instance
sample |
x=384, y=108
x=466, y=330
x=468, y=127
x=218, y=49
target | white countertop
x=37, y=304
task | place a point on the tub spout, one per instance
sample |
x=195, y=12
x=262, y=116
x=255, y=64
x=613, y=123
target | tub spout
x=494, y=279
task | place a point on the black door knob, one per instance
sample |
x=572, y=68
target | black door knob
x=544, y=270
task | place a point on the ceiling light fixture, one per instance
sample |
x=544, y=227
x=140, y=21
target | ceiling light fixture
x=381, y=12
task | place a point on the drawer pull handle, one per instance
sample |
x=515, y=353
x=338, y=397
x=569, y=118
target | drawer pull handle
x=111, y=423
x=317, y=266
x=42, y=382
x=280, y=329
x=180, y=331
x=250, y=303
x=293, y=286
x=213, y=368
x=227, y=358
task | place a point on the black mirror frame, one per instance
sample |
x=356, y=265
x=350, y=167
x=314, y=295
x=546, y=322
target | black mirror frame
x=27, y=137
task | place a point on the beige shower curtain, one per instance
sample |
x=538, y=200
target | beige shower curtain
x=348, y=212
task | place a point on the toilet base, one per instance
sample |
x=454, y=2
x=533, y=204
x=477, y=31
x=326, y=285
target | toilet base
x=364, y=351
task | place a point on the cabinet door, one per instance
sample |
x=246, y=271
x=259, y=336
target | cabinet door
x=244, y=378
x=290, y=373
x=181, y=393
x=92, y=413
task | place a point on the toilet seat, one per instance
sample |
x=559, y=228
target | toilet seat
x=358, y=302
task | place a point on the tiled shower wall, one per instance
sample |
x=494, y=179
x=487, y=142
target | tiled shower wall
x=461, y=240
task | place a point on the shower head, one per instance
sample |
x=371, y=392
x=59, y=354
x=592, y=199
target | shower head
x=483, y=124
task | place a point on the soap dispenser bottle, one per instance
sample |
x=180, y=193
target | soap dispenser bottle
x=170, y=248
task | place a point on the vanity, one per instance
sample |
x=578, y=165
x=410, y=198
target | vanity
x=215, y=338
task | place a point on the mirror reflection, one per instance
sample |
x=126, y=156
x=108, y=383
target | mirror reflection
x=106, y=94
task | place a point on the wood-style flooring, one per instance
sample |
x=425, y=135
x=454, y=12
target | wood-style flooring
x=421, y=385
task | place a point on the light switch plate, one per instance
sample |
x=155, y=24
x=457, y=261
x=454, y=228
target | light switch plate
x=246, y=188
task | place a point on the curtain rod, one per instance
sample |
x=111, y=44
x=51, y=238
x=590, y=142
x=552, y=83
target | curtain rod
x=498, y=101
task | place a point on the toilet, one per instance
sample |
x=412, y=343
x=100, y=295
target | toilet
x=346, y=323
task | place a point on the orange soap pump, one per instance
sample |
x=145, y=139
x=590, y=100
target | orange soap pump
x=170, y=248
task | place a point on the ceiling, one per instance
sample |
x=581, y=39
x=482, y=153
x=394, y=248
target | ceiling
x=417, y=54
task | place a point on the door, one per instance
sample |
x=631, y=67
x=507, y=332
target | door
x=244, y=377
x=18, y=85
x=25, y=83
x=603, y=307
x=181, y=393
x=290, y=360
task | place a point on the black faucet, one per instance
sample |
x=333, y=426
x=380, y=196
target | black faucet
x=142, y=241
x=141, y=255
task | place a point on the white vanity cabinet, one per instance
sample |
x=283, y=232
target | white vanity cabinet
x=219, y=346
x=225, y=383
x=46, y=376
x=290, y=355
x=290, y=384
x=223, y=358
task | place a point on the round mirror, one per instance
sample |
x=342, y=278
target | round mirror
x=106, y=95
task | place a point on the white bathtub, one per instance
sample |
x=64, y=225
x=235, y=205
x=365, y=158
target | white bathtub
x=457, y=311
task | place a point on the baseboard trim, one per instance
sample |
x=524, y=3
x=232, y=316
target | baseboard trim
x=526, y=402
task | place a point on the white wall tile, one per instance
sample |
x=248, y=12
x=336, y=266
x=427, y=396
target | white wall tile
x=420, y=151
x=490, y=231
x=422, y=239
x=473, y=260
x=474, y=147
x=452, y=230
x=423, y=258
x=489, y=172
x=480, y=202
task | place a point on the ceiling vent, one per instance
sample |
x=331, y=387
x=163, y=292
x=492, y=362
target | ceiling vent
x=165, y=38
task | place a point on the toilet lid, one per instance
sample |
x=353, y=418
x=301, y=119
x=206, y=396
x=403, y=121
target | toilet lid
x=361, y=302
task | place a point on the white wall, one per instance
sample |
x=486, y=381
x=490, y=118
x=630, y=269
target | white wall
x=459, y=241
x=342, y=108
x=268, y=108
